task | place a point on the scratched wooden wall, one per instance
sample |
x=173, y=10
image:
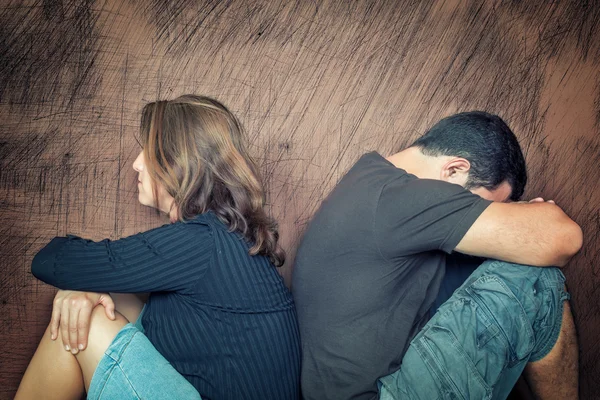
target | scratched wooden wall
x=316, y=84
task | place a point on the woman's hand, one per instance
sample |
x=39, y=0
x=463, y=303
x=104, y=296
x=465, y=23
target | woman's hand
x=72, y=311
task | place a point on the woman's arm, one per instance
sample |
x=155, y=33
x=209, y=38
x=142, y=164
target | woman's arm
x=167, y=258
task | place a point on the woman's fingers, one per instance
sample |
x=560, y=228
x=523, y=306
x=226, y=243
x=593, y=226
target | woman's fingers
x=83, y=326
x=71, y=315
x=55, y=320
x=73, y=321
x=109, y=305
x=64, y=326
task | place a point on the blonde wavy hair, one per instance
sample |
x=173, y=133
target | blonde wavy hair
x=196, y=149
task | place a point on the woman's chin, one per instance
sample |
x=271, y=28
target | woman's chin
x=146, y=202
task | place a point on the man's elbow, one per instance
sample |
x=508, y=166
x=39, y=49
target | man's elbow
x=574, y=239
x=568, y=242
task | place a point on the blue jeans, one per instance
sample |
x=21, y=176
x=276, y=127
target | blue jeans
x=479, y=341
x=133, y=369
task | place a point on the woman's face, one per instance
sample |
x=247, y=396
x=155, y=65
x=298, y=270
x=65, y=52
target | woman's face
x=145, y=193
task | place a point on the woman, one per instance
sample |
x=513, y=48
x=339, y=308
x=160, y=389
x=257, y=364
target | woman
x=218, y=313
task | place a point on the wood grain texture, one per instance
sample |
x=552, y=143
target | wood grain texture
x=315, y=83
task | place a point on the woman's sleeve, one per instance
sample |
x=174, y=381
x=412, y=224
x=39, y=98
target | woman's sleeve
x=167, y=258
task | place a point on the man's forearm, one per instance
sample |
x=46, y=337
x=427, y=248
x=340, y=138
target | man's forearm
x=532, y=234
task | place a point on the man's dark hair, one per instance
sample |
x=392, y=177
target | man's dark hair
x=486, y=142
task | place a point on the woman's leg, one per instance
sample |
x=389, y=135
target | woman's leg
x=55, y=373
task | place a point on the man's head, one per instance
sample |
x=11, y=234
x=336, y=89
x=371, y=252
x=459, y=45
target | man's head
x=478, y=151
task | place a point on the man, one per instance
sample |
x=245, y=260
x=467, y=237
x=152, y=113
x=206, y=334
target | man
x=374, y=256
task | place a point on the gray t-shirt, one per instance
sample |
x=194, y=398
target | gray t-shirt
x=367, y=271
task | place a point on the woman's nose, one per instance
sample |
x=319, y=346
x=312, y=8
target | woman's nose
x=138, y=164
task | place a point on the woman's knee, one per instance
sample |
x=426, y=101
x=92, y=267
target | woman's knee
x=102, y=329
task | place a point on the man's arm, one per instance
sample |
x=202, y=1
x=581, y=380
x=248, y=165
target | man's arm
x=538, y=234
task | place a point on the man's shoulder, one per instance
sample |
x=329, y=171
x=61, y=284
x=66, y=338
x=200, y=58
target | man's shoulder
x=371, y=171
x=372, y=160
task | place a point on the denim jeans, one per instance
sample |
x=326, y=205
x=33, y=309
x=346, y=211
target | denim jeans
x=479, y=341
x=133, y=369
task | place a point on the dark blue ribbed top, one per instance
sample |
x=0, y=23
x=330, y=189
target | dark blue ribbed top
x=222, y=318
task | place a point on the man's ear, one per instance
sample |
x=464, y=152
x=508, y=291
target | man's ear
x=456, y=170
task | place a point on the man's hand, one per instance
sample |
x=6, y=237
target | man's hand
x=71, y=311
x=538, y=200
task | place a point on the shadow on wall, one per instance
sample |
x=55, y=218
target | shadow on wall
x=316, y=84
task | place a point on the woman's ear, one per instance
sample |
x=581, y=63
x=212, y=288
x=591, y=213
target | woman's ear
x=456, y=170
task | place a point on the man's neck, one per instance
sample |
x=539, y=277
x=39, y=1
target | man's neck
x=413, y=161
